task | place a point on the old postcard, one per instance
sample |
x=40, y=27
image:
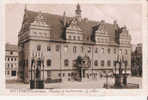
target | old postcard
x=74, y=47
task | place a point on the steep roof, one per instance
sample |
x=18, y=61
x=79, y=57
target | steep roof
x=55, y=22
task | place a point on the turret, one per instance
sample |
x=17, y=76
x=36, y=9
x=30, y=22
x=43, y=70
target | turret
x=78, y=12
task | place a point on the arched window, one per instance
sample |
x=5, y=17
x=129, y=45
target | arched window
x=96, y=63
x=48, y=62
x=66, y=62
x=48, y=48
x=38, y=47
x=74, y=49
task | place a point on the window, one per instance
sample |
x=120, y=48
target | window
x=13, y=73
x=63, y=74
x=74, y=37
x=66, y=62
x=57, y=48
x=96, y=51
x=48, y=62
x=38, y=47
x=69, y=37
x=15, y=59
x=11, y=65
x=8, y=59
x=102, y=50
x=96, y=63
x=69, y=74
x=48, y=48
x=109, y=63
x=126, y=51
x=11, y=59
x=65, y=48
x=114, y=50
x=108, y=50
x=89, y=49
x=114, y=62
x=11, y=52
x=59, y=74
x=8, y=65
x=8, y=73
x=120, y=51
x=102, y=62
x=49, y=74
x=78, y=37
x=74, y=49
x=82, y=48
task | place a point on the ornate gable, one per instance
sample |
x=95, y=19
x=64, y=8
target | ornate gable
x=39, y=20
x=125, y=38
x=73, y=31
x=101, y=35
x=39, y=27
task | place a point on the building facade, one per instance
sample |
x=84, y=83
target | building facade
x=136, y=62
x=71, y=48
x=11, y=61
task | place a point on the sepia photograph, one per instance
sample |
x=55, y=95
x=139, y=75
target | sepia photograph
x=73, y=46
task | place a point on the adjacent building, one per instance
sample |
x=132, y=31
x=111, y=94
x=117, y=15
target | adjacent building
x=70, y=48
x=137, y=60
x=11, y=61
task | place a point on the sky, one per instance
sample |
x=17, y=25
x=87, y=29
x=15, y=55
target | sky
x=125, y=14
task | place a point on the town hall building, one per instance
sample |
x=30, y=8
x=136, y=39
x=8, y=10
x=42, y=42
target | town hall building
x=70, y=48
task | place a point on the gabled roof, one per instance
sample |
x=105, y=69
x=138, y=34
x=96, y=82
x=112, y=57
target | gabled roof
x=55, y=22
